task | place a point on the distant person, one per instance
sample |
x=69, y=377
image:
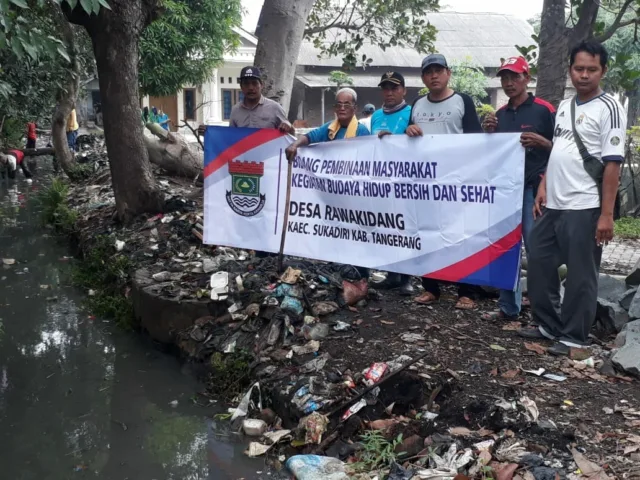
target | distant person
x=72, y=130
x=153, y=117
x=535, y=119
x=367, y=111
x=32, y=134
x=255, y=110
x=163, y=119
x=146, y=118
x=574, y=207
x=392, y=119
x=9, y=163
x=442, y=111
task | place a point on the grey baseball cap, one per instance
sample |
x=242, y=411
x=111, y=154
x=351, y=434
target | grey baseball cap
x=434, y=59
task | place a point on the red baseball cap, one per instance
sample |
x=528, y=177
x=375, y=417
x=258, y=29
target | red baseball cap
x=514, y=64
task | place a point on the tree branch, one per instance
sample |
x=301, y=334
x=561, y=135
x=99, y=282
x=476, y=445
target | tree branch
x=618, y=23
x=194, y=131
x=324, y=28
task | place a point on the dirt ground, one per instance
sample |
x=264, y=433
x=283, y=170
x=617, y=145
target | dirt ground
x=482, y=362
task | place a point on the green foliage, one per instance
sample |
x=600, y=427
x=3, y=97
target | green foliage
x=340, y=78
x=624, y=51
x=106, y=272
x=185, y=44
x=484, y=109
x=29, y=83
x=12, y=132
x=55, y=211
x=80, y=171
x=230, y=373
x=377, y=451
x=469, y=78
x=377, y=22
x=627, y=227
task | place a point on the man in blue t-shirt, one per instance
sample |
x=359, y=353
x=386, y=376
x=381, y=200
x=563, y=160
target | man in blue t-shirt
x=393, y=118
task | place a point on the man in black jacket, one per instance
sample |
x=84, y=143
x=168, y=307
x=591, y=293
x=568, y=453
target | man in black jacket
x=535, y=118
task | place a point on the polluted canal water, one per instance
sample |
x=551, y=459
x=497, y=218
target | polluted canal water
x=79, y=397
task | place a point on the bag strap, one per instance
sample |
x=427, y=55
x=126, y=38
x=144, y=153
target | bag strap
x=592, y=165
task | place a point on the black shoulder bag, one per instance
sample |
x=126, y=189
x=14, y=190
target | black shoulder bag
x=593, y=166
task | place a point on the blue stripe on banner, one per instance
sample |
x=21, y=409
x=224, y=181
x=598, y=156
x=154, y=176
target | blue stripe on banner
x=217, y=139
x=494, y=273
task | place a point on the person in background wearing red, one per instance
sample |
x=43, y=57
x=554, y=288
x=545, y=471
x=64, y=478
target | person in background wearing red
x=10, y=161
x=32, y=135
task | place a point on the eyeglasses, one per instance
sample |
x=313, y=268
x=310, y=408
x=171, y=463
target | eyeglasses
x=340, y=106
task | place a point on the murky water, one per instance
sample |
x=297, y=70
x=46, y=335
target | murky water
x=78, y=397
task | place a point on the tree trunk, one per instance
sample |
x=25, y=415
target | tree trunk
x=115, y=35
x=280, y=31
x=633, y=117
x=552, y=63
x=66, y=99
x=173, y=153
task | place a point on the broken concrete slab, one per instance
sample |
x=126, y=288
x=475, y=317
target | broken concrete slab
x=610, y=288
x=627, y=297
x=634, y=277
x=628, y=357
x=610, y=316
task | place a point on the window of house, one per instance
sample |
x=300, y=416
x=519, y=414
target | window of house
x=229, y=98
x=230, y=81
x=190, y=103
x=221, y=79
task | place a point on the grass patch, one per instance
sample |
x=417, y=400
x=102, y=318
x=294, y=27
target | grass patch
x=55, y=211
x=107, y=273
x=377, y=451
x=230, y=373
x=628, y=227
x=80, y=171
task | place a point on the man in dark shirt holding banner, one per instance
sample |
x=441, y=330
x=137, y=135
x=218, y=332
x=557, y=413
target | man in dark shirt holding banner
x=535, y=118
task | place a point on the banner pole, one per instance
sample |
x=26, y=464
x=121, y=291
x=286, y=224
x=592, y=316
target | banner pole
x=286, y=216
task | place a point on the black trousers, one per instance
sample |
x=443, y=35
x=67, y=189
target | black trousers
x=565, y=237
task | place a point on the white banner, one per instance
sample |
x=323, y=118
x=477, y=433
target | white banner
x=444, y=206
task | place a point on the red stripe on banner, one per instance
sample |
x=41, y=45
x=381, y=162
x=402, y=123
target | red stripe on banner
x=252, y=141
x=477, y=261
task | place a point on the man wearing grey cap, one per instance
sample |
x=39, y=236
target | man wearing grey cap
x=442, y=111
x=367, y=111
x=255, y=110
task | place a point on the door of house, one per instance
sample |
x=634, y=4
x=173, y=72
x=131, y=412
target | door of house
x=170, y=106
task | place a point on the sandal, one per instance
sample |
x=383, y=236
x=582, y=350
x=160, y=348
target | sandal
x=427, y=298
x=465, y=303
x=498, y=315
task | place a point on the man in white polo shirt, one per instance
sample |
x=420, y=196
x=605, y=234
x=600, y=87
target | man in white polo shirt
x=574, y=206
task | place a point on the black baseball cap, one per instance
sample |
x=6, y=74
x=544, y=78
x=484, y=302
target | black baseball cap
x=250, y=72
x=392, y=77
x=434, y=59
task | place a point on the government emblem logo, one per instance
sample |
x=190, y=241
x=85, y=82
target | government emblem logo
x=245, y=198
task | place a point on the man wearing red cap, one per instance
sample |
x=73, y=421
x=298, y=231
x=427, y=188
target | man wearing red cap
x=535, y=118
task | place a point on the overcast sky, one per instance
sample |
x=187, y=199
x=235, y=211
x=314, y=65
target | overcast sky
x=521, y=8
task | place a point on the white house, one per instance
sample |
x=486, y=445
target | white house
x=210, y=102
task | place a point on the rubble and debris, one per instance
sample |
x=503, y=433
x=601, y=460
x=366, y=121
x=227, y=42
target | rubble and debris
x=253, y=427
x=628, y=357
x=315, y=467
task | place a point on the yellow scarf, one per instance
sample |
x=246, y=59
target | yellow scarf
x=352, y=128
